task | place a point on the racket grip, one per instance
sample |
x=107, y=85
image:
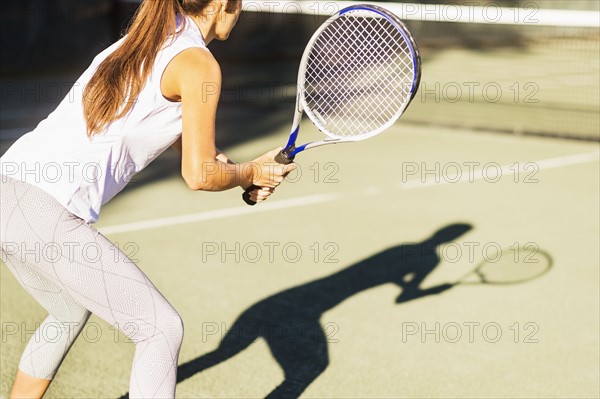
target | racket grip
x=246, y=195
x=283, y=158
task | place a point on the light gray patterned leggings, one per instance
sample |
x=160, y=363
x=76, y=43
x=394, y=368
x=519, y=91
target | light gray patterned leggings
x=71, y=270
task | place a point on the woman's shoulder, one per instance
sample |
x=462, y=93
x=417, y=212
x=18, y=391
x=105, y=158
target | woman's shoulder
x=193, y=68
x=195, y=61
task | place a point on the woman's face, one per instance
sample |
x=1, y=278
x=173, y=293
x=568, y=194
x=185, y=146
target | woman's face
x=228, y=17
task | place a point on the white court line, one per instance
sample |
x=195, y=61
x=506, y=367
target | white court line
x=523, y=167
x=323, y=198
x=220, y=213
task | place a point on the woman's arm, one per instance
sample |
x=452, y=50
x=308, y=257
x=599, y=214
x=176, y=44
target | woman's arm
x=220, y=155
x=194, y=77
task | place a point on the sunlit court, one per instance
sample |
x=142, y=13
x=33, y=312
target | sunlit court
x=452, y=253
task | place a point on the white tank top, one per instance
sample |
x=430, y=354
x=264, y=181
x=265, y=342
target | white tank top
x=83, y=174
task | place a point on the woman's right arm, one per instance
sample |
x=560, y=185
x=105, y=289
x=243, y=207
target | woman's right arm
x=194, y=78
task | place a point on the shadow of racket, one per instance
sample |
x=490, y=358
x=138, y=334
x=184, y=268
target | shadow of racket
x=510, y=266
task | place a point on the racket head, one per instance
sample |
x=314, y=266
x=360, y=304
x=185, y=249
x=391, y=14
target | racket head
x=511, y=266
x=359, y=73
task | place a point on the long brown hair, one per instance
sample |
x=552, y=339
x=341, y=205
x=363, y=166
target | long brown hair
x=118, y=81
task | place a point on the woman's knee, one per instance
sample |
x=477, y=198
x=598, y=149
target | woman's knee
x=166, y=325
x=171, y=325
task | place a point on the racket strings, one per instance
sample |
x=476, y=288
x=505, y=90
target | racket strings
x=367, y=87
x=359, y=76
x=343, y=78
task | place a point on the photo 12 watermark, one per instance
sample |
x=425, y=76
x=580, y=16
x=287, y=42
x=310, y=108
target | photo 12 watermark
x=453, y=172
x=68, y=251
x=468, y=11
x=484, y=92
x=271, y=331
x=271, y=252
x=452, y=332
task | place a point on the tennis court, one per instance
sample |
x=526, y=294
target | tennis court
x=328, y=255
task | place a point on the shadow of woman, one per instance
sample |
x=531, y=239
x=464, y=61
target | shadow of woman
x=289, y=321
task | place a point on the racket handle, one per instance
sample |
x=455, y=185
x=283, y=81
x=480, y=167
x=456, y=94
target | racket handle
x=246, y=195
x=283, y=158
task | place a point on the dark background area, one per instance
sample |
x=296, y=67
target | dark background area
x=42, y=36
x=46, y=36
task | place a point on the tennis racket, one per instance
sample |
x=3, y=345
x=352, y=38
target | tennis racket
x=358, y=74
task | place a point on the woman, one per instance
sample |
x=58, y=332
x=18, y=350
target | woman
x=152, y=89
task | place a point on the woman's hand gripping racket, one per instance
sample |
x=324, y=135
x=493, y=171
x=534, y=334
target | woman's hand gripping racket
x=358, y=74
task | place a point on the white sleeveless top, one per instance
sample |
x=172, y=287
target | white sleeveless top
x=83, y=174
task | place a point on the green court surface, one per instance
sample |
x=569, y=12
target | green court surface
x=323, y=269
x=216, y=259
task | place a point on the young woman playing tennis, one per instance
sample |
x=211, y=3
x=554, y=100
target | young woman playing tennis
x=153, y=89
